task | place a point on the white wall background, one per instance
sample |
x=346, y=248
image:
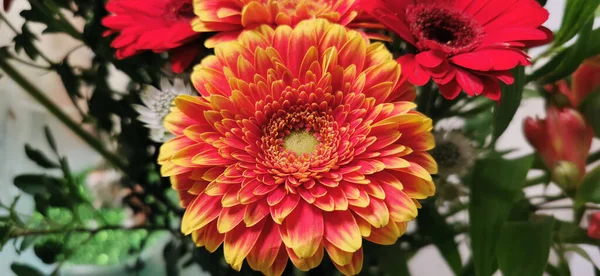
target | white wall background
x=22, y=121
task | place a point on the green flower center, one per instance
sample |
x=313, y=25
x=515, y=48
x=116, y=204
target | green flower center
x=300, y=142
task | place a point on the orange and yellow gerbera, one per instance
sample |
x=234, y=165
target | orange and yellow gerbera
x=230, y=17
x=302, y=142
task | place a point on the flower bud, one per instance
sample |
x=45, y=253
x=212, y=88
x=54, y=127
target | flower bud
x=566, y=175
x=562, y=137
x=594, y=226
x=585, y=80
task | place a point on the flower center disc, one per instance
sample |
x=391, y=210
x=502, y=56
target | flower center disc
x=300, y=142
x=437, y=27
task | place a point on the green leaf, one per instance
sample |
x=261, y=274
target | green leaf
x=36, y=183
x=432, y=224
x=50, y=139
x=390, y=259
x=27, y=242
x=575, y=55
x=25, y=270
x=524, y=247
x=591, y=47
x=590, y=107
x=589, y=191
x=70, y=81
x=577, y=14
x=495, y=185
x=580, y=251
x=40, y=158
x=49, y=250
x=6, y=228
x=509, y=103
x=24, y=41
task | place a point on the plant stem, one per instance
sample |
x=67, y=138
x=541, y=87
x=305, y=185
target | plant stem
x=43, y=232
x=425, y=100
x=64, y=118
x=537, y=180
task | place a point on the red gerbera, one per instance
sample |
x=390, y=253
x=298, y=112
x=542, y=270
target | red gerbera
x=157, y=25
x=463, y=44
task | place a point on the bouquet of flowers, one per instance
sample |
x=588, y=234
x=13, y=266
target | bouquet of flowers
x=312, y=137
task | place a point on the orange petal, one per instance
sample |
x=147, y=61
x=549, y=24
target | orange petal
x=342, y=231
x=279, y=264
x=280, y=211
x=376, y=213
x=386, y=235
x=337, y=255
x=200, y=212
x=309, y=262
x=239, y=242
x=230, y=217
x=254, y=13
x=265, y=250
x=212, y=238
x=255, y=212
x=401, y=207
x=302, y=230
x=355, y=266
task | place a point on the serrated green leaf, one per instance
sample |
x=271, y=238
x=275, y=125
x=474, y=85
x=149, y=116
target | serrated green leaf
x=509, y=103
x=577, y=14
x=24, y=42
x=523, y=247
x=40, y=158
x=25, y=270
x=495, y=184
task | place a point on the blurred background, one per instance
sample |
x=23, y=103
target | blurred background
x=22, y=121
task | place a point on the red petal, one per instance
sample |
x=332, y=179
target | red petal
x=239, y=242
x=342, y=231
x=302, y=230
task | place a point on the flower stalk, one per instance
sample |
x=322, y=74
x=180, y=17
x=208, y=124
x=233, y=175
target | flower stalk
x=34, y=92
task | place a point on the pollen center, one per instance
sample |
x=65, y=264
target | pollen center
x=437, y=27
x=300, y=142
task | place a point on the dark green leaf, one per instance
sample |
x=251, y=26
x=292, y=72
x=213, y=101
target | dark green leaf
x=590, y=107
x=48, y=251
x=171, y=254
x=6, y=228
x=433, y=225
x=50, y=139
x=36, y=183
x=524, y=247
x=391, y=259
x=39, y=158
x=24, y=41
x=573, y=56
x=542, y=2
x=70, y=81
x=590, y=46
x=25, y=270
x=577, y=14
x=589, y=191
x=580, y=251
x=495, y=184
x=509, y=103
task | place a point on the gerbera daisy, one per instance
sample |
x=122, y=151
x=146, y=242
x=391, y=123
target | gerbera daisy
x=157, y=25
x=298, y=146
x=230, y=17
x=463, y=45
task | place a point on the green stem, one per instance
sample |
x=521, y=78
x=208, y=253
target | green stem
x=537, y=180
x=64, y=118
x=44, y=232
x=50, y=10
x=425, y=100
